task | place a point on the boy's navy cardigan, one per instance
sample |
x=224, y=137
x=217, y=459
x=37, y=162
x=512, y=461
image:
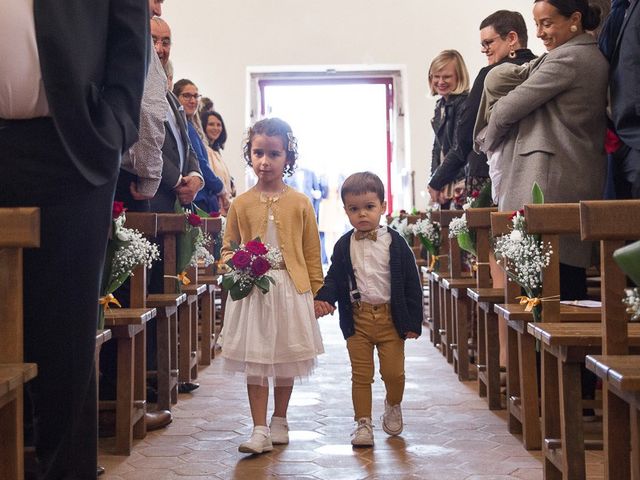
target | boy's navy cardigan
x=406, y=289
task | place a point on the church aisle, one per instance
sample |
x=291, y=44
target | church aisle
x=449, y=432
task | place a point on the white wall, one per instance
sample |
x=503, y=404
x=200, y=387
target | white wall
x=215, y=41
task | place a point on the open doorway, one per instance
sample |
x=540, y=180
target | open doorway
x=343, y=125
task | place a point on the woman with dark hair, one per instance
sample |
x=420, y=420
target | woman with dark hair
x=503, y=39
x=207, y=198
x=448, y=78
x=216, y=134
x=551, y=127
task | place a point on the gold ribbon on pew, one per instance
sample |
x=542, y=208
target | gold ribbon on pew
x=532, y=302
x=108, y=299
x=434, y=259
x=529, y=302
x=181, y=277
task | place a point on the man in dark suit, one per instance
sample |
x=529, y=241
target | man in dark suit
x=181, y=179
x=181, y=176
x=625, y=102
x=71, y=81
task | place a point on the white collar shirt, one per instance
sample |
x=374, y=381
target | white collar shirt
x=22, y=94
x=370, y=260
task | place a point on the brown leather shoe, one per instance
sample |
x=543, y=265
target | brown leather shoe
x=158, y=419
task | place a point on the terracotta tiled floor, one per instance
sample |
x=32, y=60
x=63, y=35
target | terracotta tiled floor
x=449, y=432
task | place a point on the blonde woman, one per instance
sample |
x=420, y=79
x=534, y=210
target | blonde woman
x=448, y=78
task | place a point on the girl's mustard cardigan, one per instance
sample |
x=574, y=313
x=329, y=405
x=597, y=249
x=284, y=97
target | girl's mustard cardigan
x=296, y=227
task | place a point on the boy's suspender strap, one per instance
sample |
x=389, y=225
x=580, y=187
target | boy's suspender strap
x=355, y=293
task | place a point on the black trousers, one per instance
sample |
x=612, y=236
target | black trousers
x=61, y=290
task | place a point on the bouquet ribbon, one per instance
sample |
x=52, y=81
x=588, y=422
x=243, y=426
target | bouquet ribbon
x=532, y=302
x=434, y=259
x=181, y=277
x=108, y=299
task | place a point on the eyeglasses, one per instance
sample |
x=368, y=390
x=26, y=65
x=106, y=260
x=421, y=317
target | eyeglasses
x=165, y=42
x=485, y=44
x=191, y=96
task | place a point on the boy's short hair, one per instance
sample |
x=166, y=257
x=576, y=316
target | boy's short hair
x=361, y=183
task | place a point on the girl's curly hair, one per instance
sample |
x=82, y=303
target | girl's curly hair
x=272, y=127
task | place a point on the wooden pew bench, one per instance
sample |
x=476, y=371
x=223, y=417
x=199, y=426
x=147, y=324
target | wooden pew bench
x=19, y=229
x=612, y=224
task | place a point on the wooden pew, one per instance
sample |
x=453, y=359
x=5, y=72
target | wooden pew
x=128, y=330
x=441, y=267
x=564, y=346
x=550, y=221
x=169, y=225
x=446, y=282
x=485, y=296
x=19, y=228
x=612, y=223
x=206, y=302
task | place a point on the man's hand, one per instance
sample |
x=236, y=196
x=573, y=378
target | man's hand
x=188, y=188
x=133, y=189
x=322, y=308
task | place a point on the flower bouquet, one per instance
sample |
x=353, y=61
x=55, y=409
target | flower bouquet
x=524, y=257
x=192, y=245
x=401, y=225
x=428, y=232
x=458, y=226
x=126, y=250
x=249, y=266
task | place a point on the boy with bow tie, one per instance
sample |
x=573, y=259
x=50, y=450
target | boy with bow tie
x=374, y=278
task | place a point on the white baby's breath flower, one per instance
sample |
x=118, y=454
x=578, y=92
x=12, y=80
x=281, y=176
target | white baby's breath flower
x=516, y=236
x=458, y=226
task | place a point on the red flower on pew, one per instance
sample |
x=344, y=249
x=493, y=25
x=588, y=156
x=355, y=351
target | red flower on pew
x=194, y=220
x=521, y=212
x=475, y=194
x=117, y=209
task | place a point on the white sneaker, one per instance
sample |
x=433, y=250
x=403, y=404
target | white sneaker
x=392, y=419
x=279, y=431
x=259, y=442
x=363, y=434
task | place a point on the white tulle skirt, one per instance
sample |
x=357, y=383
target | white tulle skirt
x=272, y=336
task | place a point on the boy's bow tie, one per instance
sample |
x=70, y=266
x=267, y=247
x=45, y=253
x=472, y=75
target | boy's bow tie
x=371, y=235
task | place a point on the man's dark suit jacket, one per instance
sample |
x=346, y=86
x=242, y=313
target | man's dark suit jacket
x=625, y=79
x=165, y=197
x=93, y=57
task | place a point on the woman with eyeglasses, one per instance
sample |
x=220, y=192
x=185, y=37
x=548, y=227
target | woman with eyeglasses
x=449, y=78
x=551, y=127
x=188, y=96
x=216, y=135
x=503, y=39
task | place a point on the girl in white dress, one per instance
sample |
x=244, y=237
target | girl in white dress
x=274, y=335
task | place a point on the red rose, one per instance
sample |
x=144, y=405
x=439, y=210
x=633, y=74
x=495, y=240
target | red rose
x=214, y=214
x=194, y=220
x=260, y=266
x=256, y=247
x=475, y=194
x=241, y=259
x=118, y=209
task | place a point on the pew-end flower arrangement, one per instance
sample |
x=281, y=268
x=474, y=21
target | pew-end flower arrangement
x=428, y=232
x=192, y=245
x=249, y=265
x=524, y=257
x=458, y=227
x=126, y=250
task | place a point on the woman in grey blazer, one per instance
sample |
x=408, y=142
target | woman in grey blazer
x=551, y=127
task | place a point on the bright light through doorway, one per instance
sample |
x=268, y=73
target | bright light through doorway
x=341, y=129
